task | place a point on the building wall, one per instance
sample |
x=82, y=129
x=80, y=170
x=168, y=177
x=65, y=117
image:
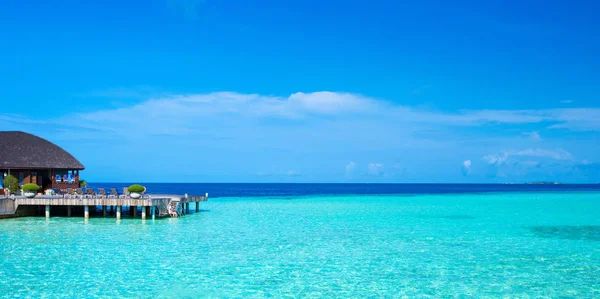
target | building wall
x=7, y=206
x=9, y=209
x=26, y=176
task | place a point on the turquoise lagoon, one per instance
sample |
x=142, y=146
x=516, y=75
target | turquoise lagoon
x=515, y=245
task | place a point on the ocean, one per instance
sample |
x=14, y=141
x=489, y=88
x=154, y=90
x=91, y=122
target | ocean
x=320, y=241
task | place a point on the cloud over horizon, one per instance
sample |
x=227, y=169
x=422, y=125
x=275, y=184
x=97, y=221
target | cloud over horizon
x=350, y=167
x=325, y=123
x=466, y=167
x=178, y=109
x=501, y=158
x=376, y=169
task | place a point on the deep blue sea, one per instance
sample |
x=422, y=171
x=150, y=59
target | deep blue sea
x=319, y=241
x=267, y=189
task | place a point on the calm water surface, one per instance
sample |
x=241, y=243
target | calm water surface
x=485, y=245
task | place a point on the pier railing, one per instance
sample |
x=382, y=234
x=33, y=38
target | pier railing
x=56, y=200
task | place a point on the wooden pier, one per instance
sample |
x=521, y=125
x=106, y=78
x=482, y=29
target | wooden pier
x=153, y=205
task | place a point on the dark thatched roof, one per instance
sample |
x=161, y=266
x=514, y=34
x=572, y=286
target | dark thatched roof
x=20, y=150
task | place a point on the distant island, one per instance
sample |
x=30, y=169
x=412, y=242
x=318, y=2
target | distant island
x=544, y=183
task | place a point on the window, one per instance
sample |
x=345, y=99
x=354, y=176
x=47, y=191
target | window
x=21, y=178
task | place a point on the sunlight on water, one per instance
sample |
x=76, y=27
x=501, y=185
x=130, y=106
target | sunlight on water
x=494, y=245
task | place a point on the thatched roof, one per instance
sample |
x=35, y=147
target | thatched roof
x=23, y=150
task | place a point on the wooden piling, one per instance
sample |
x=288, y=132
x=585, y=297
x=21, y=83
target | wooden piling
x=143, y=213
x=103, y=211
x=197, y=206
x=86, y=212
x=47, y=211
x=134, y=211
x=69, y=211
x=153, y=212
x=118, y=212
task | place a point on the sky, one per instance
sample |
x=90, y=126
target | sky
x=308, y=91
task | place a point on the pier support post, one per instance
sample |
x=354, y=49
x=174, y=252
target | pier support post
x=153, y=212
x=47, y=211
x=134, y=211
x=187, y=207
x=86, y=212
x=68, y=211
x=118, y=212
x=197, y=206
x=143, y=213
x=103, y=211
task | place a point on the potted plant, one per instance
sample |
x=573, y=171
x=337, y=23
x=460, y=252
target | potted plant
x=30, y=190
x=11, y=184
x=135, y=191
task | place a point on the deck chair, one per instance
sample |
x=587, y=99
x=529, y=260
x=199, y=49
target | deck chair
x=70, y=192
x=58, y=192
x=90, y=192
x=79, y=192
x=102, y=192
x=125, y=192
x=114, y=193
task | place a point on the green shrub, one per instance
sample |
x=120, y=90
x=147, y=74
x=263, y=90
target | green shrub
x=136, y=188
x=31, y=187
x=11, y=183
x=82, y=183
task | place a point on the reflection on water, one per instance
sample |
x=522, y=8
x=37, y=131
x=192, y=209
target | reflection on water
x=584, y=232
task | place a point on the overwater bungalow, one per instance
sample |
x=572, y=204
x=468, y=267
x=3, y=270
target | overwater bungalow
x=34, y=160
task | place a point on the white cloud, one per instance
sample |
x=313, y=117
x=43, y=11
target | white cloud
x=275, y=172
x=376, y=169
x=350, y=167
x=533, y=135
x=319, y=121
x=557, y=154
x=186, y=114
x=502, y=158
x=467, y=166
x=326, y=102
x=580, y=119
x=496, y=158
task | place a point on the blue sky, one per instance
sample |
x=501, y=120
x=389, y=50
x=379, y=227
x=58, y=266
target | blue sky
x=308, y=91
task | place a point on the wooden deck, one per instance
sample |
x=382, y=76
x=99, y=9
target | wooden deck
x=149, y=204
x=149, y=201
